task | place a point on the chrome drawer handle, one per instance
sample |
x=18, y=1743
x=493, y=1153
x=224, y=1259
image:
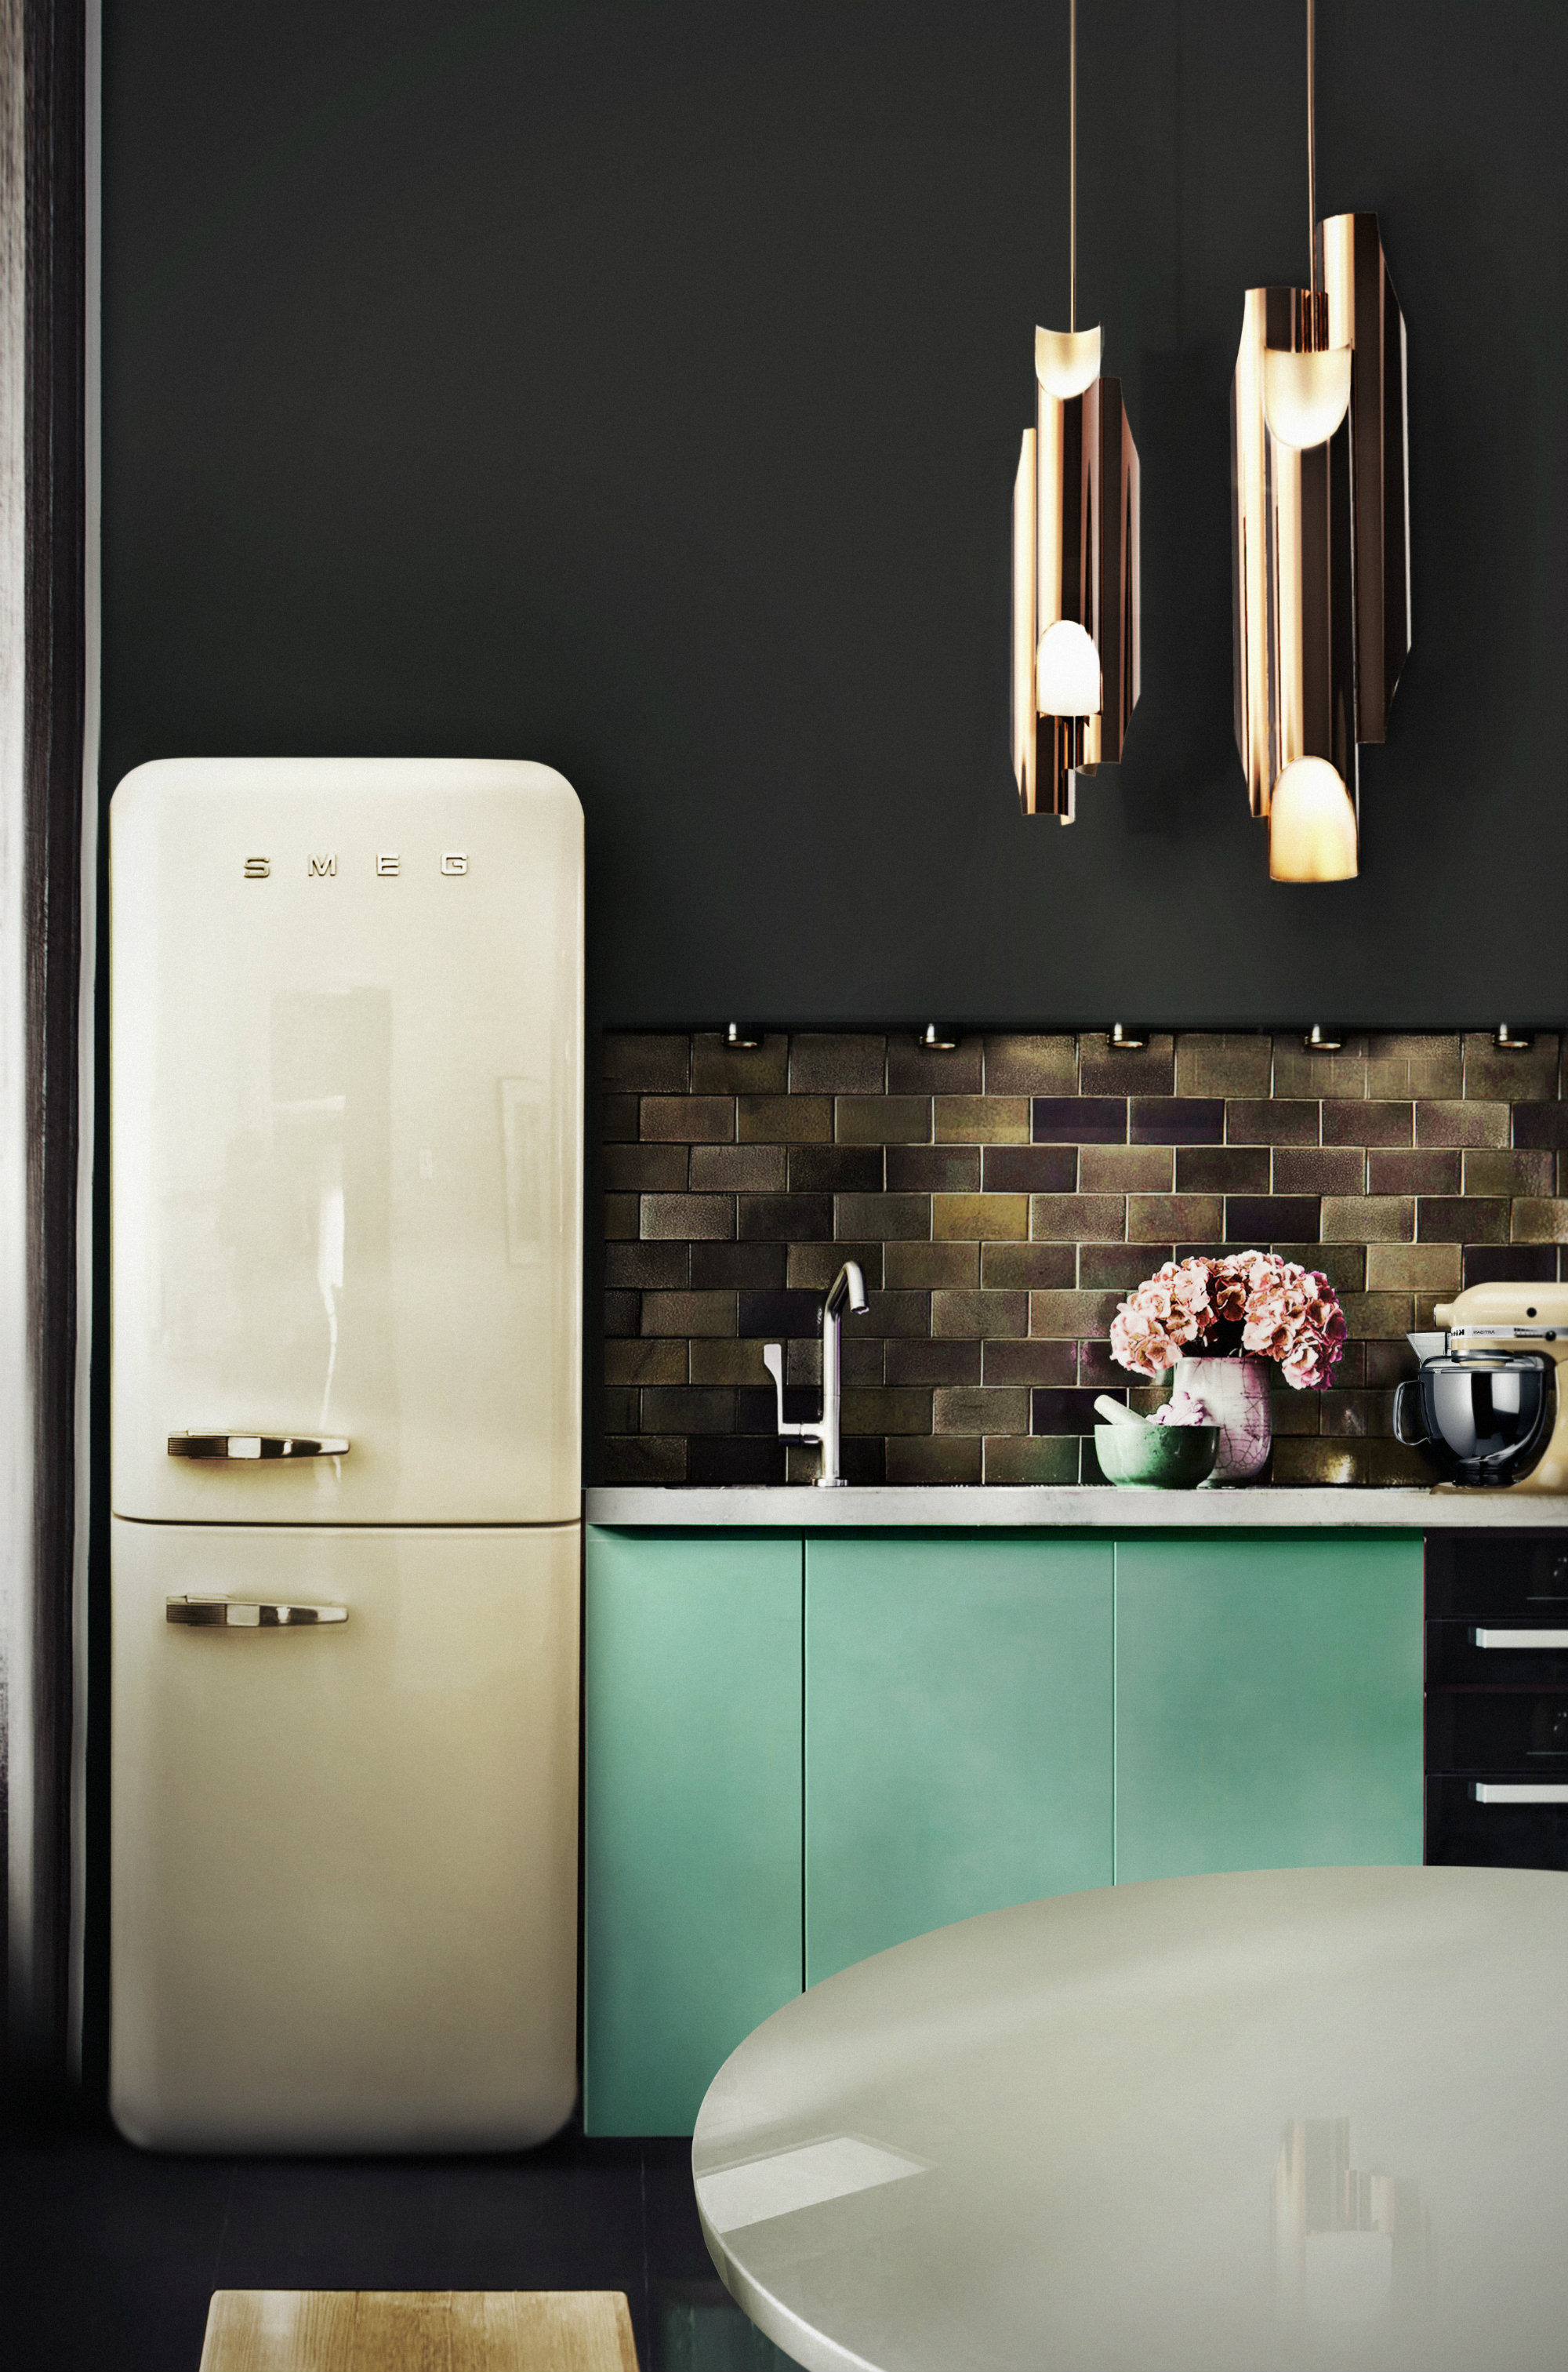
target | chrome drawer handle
x=1520, y=1638
x=248, y=1613
x=257, y=1445
x=1491, y=1791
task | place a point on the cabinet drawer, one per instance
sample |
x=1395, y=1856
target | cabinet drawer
x=1499, y=1834
x=1520, y=1574
x=1522, y=1731
x=1509, y=1654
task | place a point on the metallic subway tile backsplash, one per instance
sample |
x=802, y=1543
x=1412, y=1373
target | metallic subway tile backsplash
x=1001, y=1199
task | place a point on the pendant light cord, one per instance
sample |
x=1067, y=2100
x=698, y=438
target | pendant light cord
x=1073, y=161
x=1311, y=159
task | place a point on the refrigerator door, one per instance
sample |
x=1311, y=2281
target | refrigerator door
x=346, y=1057
x=344, y=1851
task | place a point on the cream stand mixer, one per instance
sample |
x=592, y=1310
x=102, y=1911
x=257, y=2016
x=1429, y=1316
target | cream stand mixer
x=1489, y=1390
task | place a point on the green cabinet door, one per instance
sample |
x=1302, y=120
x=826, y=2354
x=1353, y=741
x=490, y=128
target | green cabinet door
x=692, y=1876
x=1268, y=1704
x=957, y=1731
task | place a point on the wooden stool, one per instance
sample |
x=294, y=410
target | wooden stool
x=418, y=2330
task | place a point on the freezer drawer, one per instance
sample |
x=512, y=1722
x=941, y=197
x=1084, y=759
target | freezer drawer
x=344, y=1851
x=346, y=1038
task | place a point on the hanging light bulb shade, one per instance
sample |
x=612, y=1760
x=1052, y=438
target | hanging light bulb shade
x=1076, y=592
x=1320, y=518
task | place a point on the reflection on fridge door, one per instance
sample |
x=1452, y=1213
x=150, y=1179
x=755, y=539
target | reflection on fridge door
x=346, y=1056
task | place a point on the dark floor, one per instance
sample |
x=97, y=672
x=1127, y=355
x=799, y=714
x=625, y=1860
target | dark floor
x=107, y=2255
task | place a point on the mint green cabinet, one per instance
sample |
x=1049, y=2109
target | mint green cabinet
x=1268, y=1703
x=957, y=1731
x=692, y=1812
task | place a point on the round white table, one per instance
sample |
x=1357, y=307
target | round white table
x=1292, y=2119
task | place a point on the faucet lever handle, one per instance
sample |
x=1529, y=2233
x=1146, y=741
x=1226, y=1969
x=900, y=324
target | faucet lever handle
x=773, y=1359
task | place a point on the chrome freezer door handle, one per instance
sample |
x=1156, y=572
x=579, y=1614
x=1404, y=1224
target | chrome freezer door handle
x=257, y=1445
x=248, y=1613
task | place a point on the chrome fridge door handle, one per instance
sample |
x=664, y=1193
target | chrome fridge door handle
x=1489, y=1791
x=257, y=1445
x=248, y=1613
x=1520, y=1638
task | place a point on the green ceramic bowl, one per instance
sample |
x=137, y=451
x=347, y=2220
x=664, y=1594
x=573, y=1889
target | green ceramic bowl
x=1156, y=1457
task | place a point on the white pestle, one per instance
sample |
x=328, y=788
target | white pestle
x=1117, y=1411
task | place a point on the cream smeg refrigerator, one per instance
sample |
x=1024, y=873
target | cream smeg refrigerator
x=346, y=1123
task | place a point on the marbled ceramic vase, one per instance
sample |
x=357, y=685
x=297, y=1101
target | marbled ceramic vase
x=1234, y=1396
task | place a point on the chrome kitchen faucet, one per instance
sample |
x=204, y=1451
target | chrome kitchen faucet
x=847, y=1288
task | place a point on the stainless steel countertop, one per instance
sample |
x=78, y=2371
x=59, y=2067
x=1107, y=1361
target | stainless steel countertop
x=1071, y=1507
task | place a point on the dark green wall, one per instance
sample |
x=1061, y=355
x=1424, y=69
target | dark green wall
x=638, y=387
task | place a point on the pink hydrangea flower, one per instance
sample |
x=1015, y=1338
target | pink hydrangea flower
x=1287, y=1313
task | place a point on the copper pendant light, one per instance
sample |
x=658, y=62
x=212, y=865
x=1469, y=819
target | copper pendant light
x=1074, y=552
x=1320, y=513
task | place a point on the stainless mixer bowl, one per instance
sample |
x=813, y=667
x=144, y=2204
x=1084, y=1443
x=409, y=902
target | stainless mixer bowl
x=1484, y=1413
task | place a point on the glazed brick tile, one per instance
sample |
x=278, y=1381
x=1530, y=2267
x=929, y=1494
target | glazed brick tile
x=1536, y=1220
x=1389, y=1364
x=1344, y=1265
x=1368, y=1123
x=862, y=1359
x=1421, y=1268
x=1269, y=1218
x=622, y=1313
x=734, y=1362
x=637, y=1362
x=1379, y=1313
x=736, y=1168
x=1023, y=1065
x=759, y=1266
x=645, y=1169
x=1290, y=1123
x=830, y=1064
x=619, y=1121
x=886, y=1410
x=1301, y=1464
x=1054, y=1411
x=1407, y=1064
x=981, y=1119
x=885, y=1217
x=650, y=1065
x=1390, y=1463
x=1030, y=1169
x=917, y=1070
x=1222, y=1168
x=1496, y=1172
x=1006, y=1268
x=787, y=1218
x=1101, y=1266
x=933, y=1169
x=813, y=1267
x=863, y=1458
x=1101, y=1373
x=978, y=1218
x=1350, y=1368
x=1078, y=1120
x=618, y=1408
x=687, y=1120
x=720, y=1461
x=687, y=1313
x=1079, y=1218
x=1461, y=1123
x=687, y=1408
x=1030, y=1363
x=1527, y=1264
x=785, y=1120
x=1158, y=1218
x=775, y=1317
x=1461, y=1219
x=1527, y=1076
x=1297, y=1073
x=1295, y=1413
x=718, y=1069
x=688, y=1218
x=1541, y=1124
x=1071, y=1314
x=643, y=1460
x=933, y=1264
x=1233, y=1063
x=906, y=1315
x=981, y=1408
x=979, y=1317
x=1178, y=1120
x=1103, y=1070
x=882, y=1119
x=1368, y=1219
x=1312, y=1169
x=944, y=1458
x=836, y=1170
x=621, y=1216
x=1413, y=1173
x=640, y=1266
x=932, y=1363
x=1021, y=1460
x=1126, y=1170
x=756, y=1407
